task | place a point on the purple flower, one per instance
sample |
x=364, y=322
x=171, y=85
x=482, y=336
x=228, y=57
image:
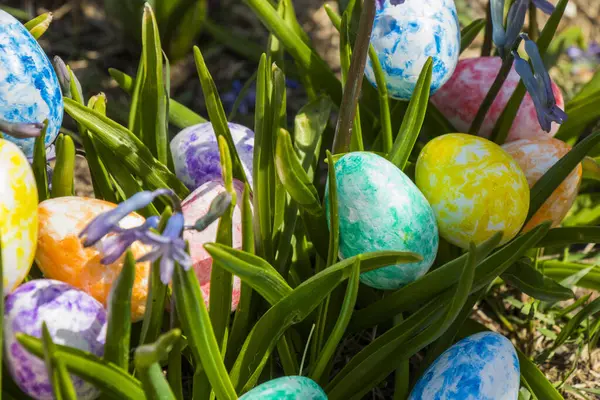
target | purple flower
x=544, y=5
x=591, y=54
x=539, y=86
x=114, y=246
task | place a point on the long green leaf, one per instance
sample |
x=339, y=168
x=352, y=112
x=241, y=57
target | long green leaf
x=64, y=171
x=40, y=172
x=530, y=281
x=470, y=32
x=567, y=236
x=62, y=385
x=39, y=25
x=581, y=113
x=585, y=275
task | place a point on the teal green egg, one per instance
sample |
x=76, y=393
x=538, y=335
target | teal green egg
x=287, y=388
x=380, y=208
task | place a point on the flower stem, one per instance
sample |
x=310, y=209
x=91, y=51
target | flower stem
x=507, y=64
x=534, y=31
x=486, y=49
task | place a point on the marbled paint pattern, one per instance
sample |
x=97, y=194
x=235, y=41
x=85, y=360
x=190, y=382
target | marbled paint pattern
x=287, y=388
x=60, y=254
x=73, y=318
x=474, y=187
x=460, y=98
x=195, y=206
x=536, y=157
x=484, y=366
x=18, y=214
x=380, y=208
x=29, y=88
x=196, y=153
x=405, y=35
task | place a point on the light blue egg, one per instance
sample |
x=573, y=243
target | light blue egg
x=29, y=89
x=484, y=366
x=380, y=208
x=405, y=34
x=287, y=388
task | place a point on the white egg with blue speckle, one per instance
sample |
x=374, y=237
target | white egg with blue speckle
x=483, y=366
x=405, y=33
x=29, y=89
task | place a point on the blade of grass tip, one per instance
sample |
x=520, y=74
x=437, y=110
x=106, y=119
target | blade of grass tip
x=39, y=164
x=221, y=280
x=62, y=178
x=546, y=185
x=118, y=330
x=39, y=25
x=413, y=119
x=340, y=327
x=506, y=119
x=216, y=113
x=470, y=32
x=341, y=142
x=147, y=358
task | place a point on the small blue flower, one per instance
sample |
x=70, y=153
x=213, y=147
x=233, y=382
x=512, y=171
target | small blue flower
x=114, y=246
x=539, y=86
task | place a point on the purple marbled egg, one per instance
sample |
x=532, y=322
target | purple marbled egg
x=74, y=319
x=196, y=153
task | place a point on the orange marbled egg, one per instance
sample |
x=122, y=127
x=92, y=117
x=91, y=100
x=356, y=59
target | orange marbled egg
x=60, y=254
x=536, y=157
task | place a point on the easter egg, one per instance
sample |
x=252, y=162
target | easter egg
x=18, y=214
x=60, y=254
x=29, y=89
x=196, y=153
x=380, y=208
x=460, y=98
x=195, y=206
x=536, y=157
x=288, y=388
x=73, y=319
x=482, y=366
x=405, y=34
x=474, y=187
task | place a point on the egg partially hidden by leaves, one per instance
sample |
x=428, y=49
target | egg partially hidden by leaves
x=288, y=388
x=29, y=89
x=73, y=319
x=380, y=208
x=60, y=254
x=196, y=153
x=474, y=187
x=460, y=98
x=18, y=214
x=405, y=34
x=482, y=366
x=195, y=206
x=536, y=157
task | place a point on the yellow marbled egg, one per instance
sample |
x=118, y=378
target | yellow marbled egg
x=18, y=214
x=474, y=187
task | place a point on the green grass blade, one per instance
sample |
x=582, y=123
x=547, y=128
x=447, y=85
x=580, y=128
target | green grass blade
x=174, y=366
x=571, y=235
x=118, y=330
x=40, y=172
x=62, y=386
x=334, y=222
x=413, y=120
x=533, y=283
x=384, y=106
x=135, y=109
x=39, y=25
x=586, y=276
x=62, y=179
x=581, y=113
x=147, y=358
x=470, y=32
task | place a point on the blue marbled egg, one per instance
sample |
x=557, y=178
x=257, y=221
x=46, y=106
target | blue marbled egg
x=29, y=89
x=287, y=388
x=405, y=34
x=484, y=366
x=380, y=208
x=196, y=153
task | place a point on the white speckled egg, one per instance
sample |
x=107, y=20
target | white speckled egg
x=60, y=254
x=288, y=388
x=18, y=214
x=73, y=318
x=482, y=366
x=405, y=34
x=29, y=88
x=195, y=206
x=196, y=153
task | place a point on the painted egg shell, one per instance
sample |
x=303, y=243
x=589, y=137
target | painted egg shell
x=288, y=388
x=474, y=187
x=482, y=366
x=18, y=214
x=405, y=35
x=536, y=157
x=29, y=88
x=74, y=319
x=460, y=98
x=196, y=153
x=380, y=208
x=60, y=254
x=196, y=206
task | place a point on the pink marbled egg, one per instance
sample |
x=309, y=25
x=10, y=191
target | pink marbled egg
x=460, y=98
x=195, y=206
